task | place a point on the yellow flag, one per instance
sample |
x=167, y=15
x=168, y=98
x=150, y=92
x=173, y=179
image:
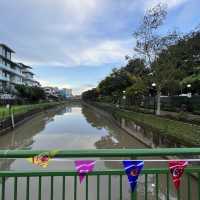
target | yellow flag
x=43, y=159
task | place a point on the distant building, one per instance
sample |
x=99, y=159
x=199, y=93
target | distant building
x=12, y=73
x=56, y=92
x=66, y=93
x=50, y=91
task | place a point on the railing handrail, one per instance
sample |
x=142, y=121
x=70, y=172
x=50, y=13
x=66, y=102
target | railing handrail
x=103, y=153
x=33, y=173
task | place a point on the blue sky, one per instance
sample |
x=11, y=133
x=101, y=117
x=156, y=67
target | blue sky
x=76, y=43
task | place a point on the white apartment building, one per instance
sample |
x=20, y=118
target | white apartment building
x=28, y=76
x=56, y=92
x=12, y=73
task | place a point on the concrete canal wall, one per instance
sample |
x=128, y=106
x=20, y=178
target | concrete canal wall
x=146, y=134
x=14, y=121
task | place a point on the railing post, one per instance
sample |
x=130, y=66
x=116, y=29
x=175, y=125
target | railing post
x=27, y=187
x=86, y=185
x=167, y=186
x=146, y=186
x=63, y=189
x=15, y=188
x=98, y=187
x=199, y=185
x=109, y=187
x=52, y=187
x=75, y=187
x=157, y=190
x=120, y=189
x=3, y=188
x=39, y=188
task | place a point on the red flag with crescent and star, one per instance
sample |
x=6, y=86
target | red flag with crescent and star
x=177, y=169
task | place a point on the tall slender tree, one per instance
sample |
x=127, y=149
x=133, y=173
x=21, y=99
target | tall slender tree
x=151, y=43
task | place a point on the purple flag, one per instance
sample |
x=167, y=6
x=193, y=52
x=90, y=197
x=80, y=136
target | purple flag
x=83, y=167
x=133, y=170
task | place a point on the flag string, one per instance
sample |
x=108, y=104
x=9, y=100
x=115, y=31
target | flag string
x=149, y=160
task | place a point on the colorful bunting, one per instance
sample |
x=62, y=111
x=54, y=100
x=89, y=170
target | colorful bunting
x=176, y=169
x=133, y=170
x=83, y=167
x=43, y=159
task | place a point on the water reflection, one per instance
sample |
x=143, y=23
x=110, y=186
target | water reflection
x=150, y=137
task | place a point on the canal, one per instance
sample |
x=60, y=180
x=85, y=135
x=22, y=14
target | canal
x=73, y=126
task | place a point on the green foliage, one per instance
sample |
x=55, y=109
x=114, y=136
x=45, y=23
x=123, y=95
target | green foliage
x=137, y=89
x=137, y=67
x=116, y=82
x=90, y=95
x=169, y=60
x=185, y=56
x=32, y=94
x=4, y=112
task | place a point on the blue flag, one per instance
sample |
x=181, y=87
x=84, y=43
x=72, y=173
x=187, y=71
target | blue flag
x=133, y=170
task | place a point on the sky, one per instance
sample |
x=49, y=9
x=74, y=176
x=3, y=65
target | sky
x=76, y=43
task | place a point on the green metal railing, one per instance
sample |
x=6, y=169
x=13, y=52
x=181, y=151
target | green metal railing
x=154, y=182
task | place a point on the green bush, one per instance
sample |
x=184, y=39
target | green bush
x=31, y=93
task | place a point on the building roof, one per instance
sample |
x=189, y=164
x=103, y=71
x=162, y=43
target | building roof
x=19, y=65
x=25, y=66
x=7, y=47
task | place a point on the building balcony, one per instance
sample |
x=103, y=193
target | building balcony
x=3, y=78
x=10, y=70
x=16, y=81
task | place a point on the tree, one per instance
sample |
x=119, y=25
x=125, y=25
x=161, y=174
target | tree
x=136, y=90
x=187, y=54
x=136, y=67
x=31, y=93
x=151, y=45
x=115, y=83
x=90, y=95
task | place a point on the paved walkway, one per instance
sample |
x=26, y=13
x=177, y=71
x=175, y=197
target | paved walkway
x=188, y=116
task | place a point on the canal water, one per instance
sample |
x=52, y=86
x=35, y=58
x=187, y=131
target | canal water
x=74, y=126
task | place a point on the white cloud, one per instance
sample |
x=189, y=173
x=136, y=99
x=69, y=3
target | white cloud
x=72, y=33
x=103, y=52
x=46, y=83
x=170, y=3
x=68, y=33
x=82, y=88
x=98, y=53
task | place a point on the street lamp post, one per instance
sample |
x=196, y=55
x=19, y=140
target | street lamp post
x=189, y=96
x=188, y=89
x=154, y=95
x=124, y=97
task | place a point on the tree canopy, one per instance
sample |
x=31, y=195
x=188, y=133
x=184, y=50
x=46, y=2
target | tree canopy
x=171, y=61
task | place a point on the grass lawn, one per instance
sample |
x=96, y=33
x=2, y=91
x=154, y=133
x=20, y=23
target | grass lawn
x=19, y=109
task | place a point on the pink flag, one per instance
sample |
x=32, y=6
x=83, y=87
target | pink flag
x=177, y=168
x=83, y=167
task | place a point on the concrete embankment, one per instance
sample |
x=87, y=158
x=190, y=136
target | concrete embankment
x=120, y=123
x=24, y=113
x=179, y=133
